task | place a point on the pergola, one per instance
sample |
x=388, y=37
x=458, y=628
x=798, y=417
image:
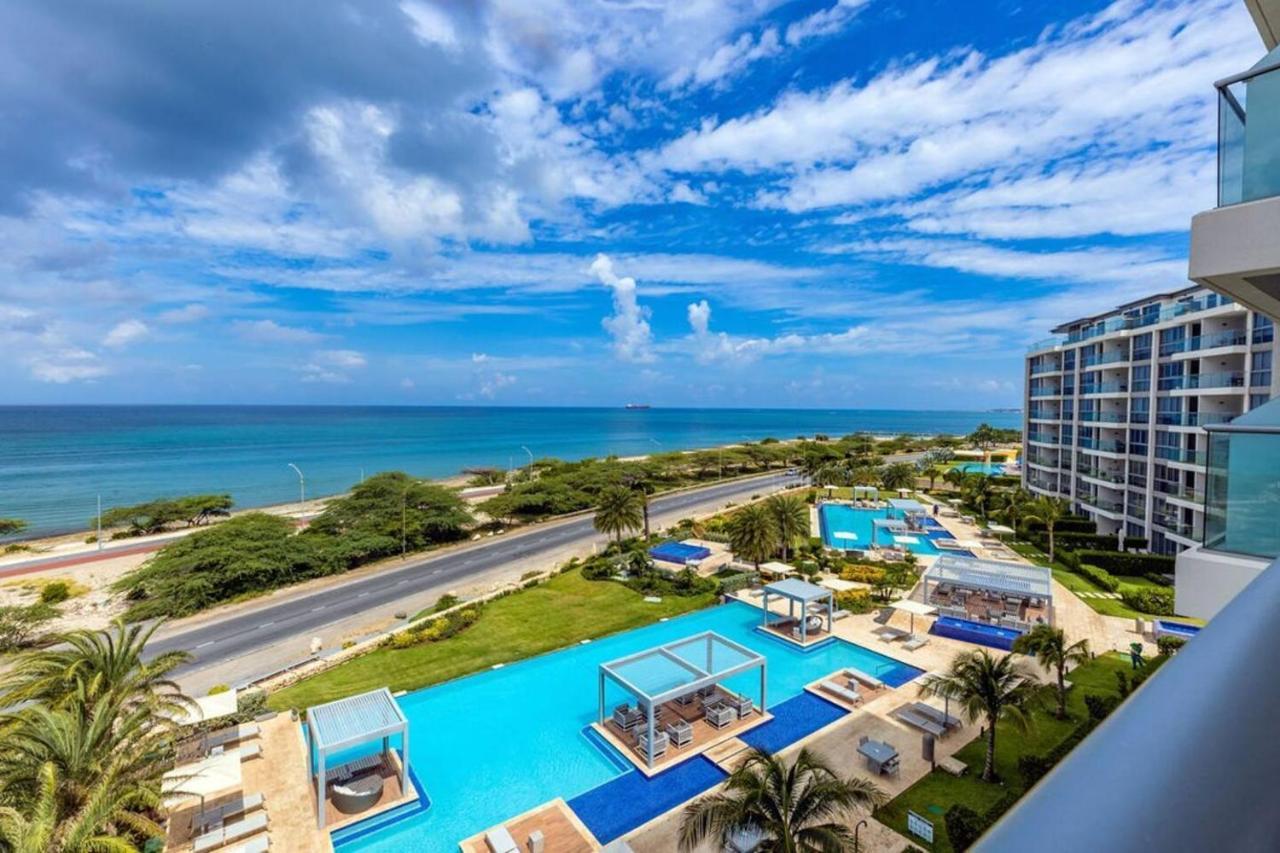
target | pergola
x=895, y=526
x=776, y=569
x=669, y=671
x=906, y=506
x=796, y=590
x=1006, y=579
x=346, y=723
x=866, y=492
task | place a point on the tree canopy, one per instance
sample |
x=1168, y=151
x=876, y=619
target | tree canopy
x=154, y=516
x=10, y=526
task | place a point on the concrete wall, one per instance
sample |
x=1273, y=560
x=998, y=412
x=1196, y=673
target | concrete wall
x=1206, y=580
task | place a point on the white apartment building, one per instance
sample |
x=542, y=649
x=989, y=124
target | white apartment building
x=1116, y=407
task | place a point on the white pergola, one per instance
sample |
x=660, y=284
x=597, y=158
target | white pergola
x=796, y=590
x=346, y=723
x=866, y=492
x=776, y=569
x=672, y=670
x=1006, y=579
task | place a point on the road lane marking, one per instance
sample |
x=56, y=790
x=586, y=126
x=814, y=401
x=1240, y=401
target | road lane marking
x=209, y=643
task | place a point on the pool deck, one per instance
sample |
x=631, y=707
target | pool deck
x=562, y=831
x=705, y=737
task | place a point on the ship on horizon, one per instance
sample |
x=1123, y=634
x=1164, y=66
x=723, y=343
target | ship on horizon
x=637, y=406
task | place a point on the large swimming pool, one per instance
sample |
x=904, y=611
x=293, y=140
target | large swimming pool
x=991, y=469
x=849, y=528
x=493, y=745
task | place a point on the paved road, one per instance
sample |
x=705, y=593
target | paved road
x=244, y=633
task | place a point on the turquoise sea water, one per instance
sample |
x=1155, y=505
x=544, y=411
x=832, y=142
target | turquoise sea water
x=501, y=742
x=56, y=460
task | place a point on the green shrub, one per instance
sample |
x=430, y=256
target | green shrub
x=55, y=592
x=1157, y=578
x=1126, y=564
x=1099, y=707
x=862, y=573
x=1098, y=577
x=446, y=601
x=219, y=688
x=1170, y=645
x=964, y=826
x=855, y=601
x=735, y=581
x=20, y=625
x=1157, y=602
x=1032, y=768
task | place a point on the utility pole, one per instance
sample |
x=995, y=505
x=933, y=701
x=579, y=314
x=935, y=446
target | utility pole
x=404, y=514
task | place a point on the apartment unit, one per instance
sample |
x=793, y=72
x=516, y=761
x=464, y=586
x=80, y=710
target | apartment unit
x=1117, y=407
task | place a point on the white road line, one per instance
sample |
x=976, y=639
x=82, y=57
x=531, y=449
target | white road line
x=318, y=609
x=209, y=643
x=362, y=595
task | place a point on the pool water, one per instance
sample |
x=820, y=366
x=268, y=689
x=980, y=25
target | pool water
x=835, y=519
x=991, y=469
x=981, y=633
x=498, y=743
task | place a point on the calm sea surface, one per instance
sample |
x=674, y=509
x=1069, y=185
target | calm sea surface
x=56, y=460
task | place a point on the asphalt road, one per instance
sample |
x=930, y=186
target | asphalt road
x=244, y=633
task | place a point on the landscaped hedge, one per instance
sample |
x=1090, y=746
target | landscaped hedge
x=1099, y=577
x=1126, y=564
x=1069, y=524
x=1157, y=602
x=735, y=582
x=855, y=601
x=965, y=826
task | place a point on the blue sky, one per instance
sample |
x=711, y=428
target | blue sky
x=863, y=203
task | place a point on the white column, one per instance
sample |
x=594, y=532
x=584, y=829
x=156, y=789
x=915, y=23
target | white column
x=404, y=761
x=649, y=750
x=320, y=787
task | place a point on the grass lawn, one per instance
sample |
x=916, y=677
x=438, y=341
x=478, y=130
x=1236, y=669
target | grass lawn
x=935, y=793
x=550, y=616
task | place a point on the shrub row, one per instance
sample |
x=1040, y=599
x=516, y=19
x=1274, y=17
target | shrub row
x=1126, y=564
x=1099, y=577
x=1158, y=602
x=855, y=601
x=1069, y=524
x=733, y=583
x=965, y=826
x=437, y=629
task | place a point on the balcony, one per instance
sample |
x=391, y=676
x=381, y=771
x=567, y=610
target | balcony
x=1101, y=445
x=1192, y=419
x=1041, y=438
x=1108, y=358
x=1106, y=476
x=1226, y=379
x=1038, y=369
x=1229, y=338
x=1242, y=506
x=1177, y=454
x=1104, y=417
x=1046, y=392
x=1104, y=504
x=1180, y=491
x=1170, y=524
x=1105, y=388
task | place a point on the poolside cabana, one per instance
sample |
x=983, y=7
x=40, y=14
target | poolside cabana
x=903, y=507
x=894, y=527
x=915, y=608
x=866, y=493
x=986, y=588
x=676, y=670
x=803, y=593
x=346, y=723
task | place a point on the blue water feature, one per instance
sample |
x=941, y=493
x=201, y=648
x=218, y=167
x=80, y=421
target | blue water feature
x=852, y=528
x=793, y=719
x=498, y=743
x=56, y=460
x=981, y=633
x=991, y=469
x=620, y=805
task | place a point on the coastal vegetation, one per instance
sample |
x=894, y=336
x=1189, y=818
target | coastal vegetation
x=159, y=515
x=10, y=526
x=88, y=736
x=389, y=513
x=559, y=612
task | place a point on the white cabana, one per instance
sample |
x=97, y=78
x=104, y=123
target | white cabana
x=1000, y=529
x=202, y=779
x=776, y=569
x=915, y=608
x=803, y=593
x=335, y=727
x=845, y=536
x=866, y=492
x=1015, y=580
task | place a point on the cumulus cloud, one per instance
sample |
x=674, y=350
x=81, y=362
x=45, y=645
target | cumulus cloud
x=61, y=366
x=333, y=366
x=124, y=333
x=629, y=323
x=709, y=346
x=271, y=332
x=190, y=313
x=728, y=60
x=824, y=22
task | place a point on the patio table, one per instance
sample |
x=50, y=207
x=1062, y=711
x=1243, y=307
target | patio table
x=878, y=753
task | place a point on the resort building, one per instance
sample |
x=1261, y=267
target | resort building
x=1118, y=404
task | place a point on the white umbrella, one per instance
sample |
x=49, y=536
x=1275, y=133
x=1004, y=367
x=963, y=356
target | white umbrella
x=914, y=607
x=202, y=778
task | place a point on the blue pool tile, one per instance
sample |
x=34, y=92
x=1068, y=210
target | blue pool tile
x=615, y=808
x=793, y=719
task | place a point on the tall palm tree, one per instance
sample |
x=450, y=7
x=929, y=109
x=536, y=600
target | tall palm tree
x=833, y=474
x=953, y=477
x=1015, y=505
x=978, y=489
x=641, y=483
x=41, y=827
x=801, y=807
x=1049, y=645
x=92, y=667
x=753, y=534
x=791, y=518
x=898, y=475
x=986, y=687
x=1048, y=511
x=618, y=510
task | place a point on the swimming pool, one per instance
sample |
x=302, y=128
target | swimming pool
x=498, y=743
x=836, y=521
x=991, y=469
x=982, y=633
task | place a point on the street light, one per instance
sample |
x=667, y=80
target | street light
x=530, y=452
x=302, y=484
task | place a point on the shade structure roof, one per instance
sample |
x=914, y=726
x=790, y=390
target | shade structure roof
x=355, y=720
x=1007, y=578
x=908, y=606
x=202, y=778
x=999, y=528
x=906, y=505
x=776, y=568
x=890, y=523
x=209, y=708
x=797, y=590
x=673, y=669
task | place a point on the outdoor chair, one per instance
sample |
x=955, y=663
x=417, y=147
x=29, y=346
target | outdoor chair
x=869, y=680
x=916, y=641
x=741, y=704
x=913, y=719
x=659, y=744
x=849, y=694
x=257, y=844
x=357, y=795
x=680, y=733
x=936, y=714
x=499, y=840
x=721, y=715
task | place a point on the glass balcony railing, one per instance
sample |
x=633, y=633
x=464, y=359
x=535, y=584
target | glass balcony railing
x=1191, y=419
x=1170, y=524
x=1049, y=391
x=1229, y=338
x=1108, y=358
x=1242, y=502
x=1104, y=417
x=1177, y=454
x=1105, y=504
x=1102, y=445
x=1249, y=135
x=1102, y=474
x=1228, y=379
x=1105, y=388
x=1037, y=369
x=1042, y=438
x=1179, y=490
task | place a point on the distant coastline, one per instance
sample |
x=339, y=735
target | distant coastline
x=56, y=460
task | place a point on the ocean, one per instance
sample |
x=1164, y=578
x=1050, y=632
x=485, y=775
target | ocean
x=55, y=461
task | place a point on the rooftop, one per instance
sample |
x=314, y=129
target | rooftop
x=353, y=720
x=798, y=590
x=660, y=673
x=1013, y=578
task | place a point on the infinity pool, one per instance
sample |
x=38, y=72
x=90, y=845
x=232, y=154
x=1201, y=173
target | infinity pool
x=991, y=469
x=847, y=528
x=498, y=743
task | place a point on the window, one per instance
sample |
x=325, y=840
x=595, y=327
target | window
x=1169, y=410
x=1173, y=340
x=1141, y=377
x=1260, y=375
x=1264, y=330
x=1167, y=445
x=1138, y=441
x=1140, y=410
x=1069, y=360
x=1256, y=400
x=1142, y=346
x=1170, y=376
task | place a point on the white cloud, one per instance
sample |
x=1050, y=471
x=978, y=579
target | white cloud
x=728, y=60
x=709, y=346
x=430, y=24
x=63, y=366
x=332, y=366
x=124, y=333
x=629, y=323
x=271, y=332
x=824, y=22
x=189, y=313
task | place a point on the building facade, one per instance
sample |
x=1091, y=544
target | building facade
x=1117, y=407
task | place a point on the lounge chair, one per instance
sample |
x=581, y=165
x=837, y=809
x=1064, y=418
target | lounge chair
x=230, y=735
x=835, y=689
x=869, y=680
x=936, y=714
x=915, y=641
x=892, y=635
x=217, y=814
x=250, y=825
x=498, y=840
x=837, y=615
x=257, y=844
x=252, y=750
x=680, y=733
x=886, y=613
x=660, y=742
x=720, y=715
x=913, y=719
x=357, y=795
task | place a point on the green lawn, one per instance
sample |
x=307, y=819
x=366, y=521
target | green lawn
x=935, y=793
x=552, y=615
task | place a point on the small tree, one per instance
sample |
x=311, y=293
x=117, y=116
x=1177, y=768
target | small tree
x=1048, y=511
x=10, y=526
x=753, y=534
x=984, y=437
x=898, y=475
x=791, y=518
x=619, y=510
x=1049, y=646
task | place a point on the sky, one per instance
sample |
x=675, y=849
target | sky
x=861, y=203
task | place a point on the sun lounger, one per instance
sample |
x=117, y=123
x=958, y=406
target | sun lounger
x=837, y=615
x=848, y=695
x=257, y=844
x=230, y=735
x=721, y=715
x=936, y=714
x=892, y=635
x=253, y=750
x=913, y=719
x=343, y=772
x=250, y=825
x=884, y=616
x=915, y=641
x=498, y=840
x=217, y=814
x=869, y=680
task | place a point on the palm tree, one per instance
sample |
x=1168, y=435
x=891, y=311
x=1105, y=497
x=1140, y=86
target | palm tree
x=619, y=509
x=753, y=534
x=986, y=687
x=790, y=517
x=977, y=489
x=642, y=483
x=898, y=475
x=801, y=807
x=953, y=477
x=834, y=474
x=92, y=667
x=1049, y=645
x=41, y=827
x=1048, y=511
x=1014, y=506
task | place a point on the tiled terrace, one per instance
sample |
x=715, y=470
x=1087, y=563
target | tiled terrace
x=562, y=831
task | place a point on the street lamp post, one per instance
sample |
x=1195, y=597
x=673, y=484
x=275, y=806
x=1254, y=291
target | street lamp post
x=530, y=452
x=857, y=826
x=302, y=484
